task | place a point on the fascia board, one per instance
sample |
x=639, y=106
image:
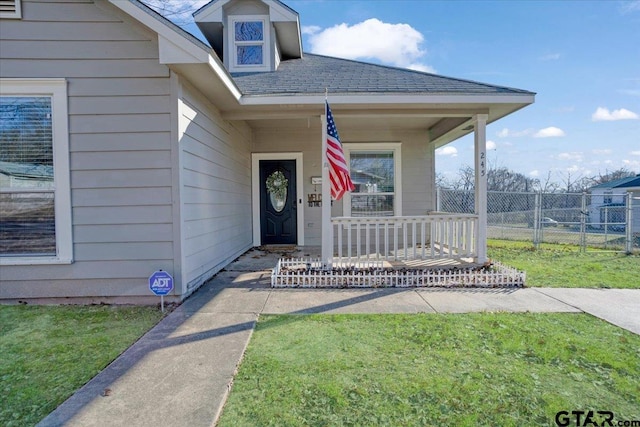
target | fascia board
x=336, y=99
x=221, y=72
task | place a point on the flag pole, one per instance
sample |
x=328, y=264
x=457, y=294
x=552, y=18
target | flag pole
x=327, y=229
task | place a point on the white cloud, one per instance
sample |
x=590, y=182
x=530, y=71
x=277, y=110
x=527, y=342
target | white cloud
x=399, y=45
x=631, y=164
x=549, y=132
x=573, y=168
x=447, y=151
x=506, y=132
x=534, y=173
x=601, y=152
x=635, y=153
x=603, y=114
x=422, y=67
x=310, y=29
x=491, y=145
x=550, y=57
x=573, y=156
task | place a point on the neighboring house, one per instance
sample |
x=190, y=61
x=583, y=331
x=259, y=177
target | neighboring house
x=608, y=204
x=160, y=145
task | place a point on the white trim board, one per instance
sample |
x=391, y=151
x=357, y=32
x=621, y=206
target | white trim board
x=255, y=192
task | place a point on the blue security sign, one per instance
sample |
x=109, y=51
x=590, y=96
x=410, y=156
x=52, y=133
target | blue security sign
x=161, y=283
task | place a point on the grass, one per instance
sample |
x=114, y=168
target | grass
x=394, y=370
x=563, y=266
x=46, y=353
x=405, y=370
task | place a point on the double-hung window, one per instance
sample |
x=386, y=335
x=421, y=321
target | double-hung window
x=35, y=208
x=249, y=36
x=375, y=172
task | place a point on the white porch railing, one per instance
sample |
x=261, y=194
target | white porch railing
x=449, y=236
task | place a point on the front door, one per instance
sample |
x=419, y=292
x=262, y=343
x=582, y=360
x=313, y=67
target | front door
x=278, y=208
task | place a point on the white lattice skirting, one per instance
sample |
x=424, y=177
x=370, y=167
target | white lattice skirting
x=308, y=273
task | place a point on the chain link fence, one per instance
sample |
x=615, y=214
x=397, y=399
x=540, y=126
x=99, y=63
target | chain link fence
x=585, y=220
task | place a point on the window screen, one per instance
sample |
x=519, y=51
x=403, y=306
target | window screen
x=27, y=224
x=373, y=174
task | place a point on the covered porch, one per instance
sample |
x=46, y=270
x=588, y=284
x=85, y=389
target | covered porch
x=416, y=238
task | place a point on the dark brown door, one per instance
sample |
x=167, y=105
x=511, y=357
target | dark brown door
x=278, y=208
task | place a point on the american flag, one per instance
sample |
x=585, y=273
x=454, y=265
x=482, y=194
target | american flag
x=338, y=169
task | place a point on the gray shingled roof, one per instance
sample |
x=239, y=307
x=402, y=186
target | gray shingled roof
x=311, y=74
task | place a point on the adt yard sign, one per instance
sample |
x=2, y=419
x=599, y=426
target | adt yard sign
x=161, y=283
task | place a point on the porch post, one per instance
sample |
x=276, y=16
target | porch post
x=480, y=143
x=327, y=229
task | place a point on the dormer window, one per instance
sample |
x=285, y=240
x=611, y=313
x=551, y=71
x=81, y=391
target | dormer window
x=250, y=41
x=251, y=35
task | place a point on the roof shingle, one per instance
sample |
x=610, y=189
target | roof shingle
x=311, y=74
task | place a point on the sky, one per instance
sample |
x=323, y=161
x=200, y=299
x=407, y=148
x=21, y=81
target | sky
x=582, y=58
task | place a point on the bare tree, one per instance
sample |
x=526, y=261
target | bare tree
x=466, y=179
x=612, y=176
x=547, y=185
x=575, y=183
x=178, y=11
x=504, y=179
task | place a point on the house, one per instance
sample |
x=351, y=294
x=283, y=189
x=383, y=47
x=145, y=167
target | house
x=608, y=204
x=154, y=148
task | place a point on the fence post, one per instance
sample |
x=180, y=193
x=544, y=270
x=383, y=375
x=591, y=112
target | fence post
x=583, y=224
x=629, y=223
x=439, y=199
x=537, y=213
x=606, y=226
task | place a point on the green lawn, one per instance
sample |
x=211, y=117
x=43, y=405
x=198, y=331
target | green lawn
x=563, y=266
x=407, y=370
x=332, y=370
x=46, y=353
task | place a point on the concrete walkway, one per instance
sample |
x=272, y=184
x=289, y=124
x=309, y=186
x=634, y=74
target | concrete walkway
x=180, y=372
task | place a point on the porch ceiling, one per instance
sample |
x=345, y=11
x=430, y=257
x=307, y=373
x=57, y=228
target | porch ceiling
x=422, y=124
x=445, y=122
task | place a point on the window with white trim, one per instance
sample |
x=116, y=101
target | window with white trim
x=375, y=172
x=35, y=199
x=249, y=38
x=10, y=9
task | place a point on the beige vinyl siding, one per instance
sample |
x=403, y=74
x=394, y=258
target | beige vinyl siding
x=215, y=188
x=120, y=148
x=418, y=171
